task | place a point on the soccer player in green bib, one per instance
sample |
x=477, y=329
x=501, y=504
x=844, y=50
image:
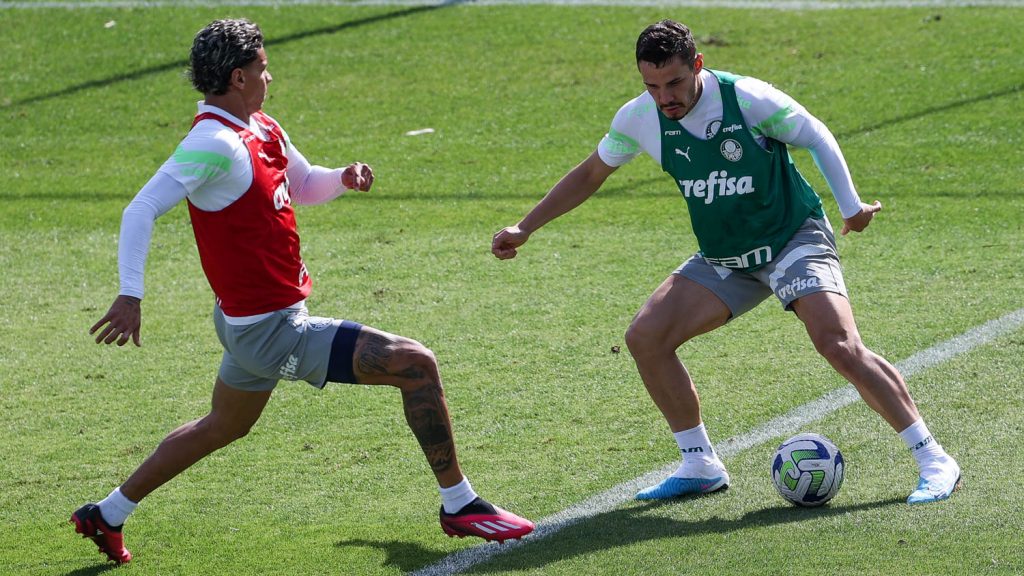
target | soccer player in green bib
x=761, y=230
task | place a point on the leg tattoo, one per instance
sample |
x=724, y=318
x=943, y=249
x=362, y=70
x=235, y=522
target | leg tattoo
x=381, y=358
x=427, y=415
x=373, y=356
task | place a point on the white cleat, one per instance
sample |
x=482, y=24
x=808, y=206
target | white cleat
x=936, y=483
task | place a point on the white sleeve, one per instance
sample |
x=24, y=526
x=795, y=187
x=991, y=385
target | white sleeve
x=829, y=158
x=312, y=184
x=622, y=142
x=209, y=154
x=773, y=114
x=159, y=195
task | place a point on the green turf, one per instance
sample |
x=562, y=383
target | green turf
x=925, y=103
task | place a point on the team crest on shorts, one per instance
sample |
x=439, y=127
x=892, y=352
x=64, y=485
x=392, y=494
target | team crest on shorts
x=731, y=150
x=318, y=324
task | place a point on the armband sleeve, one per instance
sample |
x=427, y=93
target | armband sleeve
x=159, y=195
x=312, y=184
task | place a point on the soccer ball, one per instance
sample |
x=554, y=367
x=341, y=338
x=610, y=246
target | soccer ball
x=808, y=469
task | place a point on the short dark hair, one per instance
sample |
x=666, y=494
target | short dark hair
x=662, y=41
x=220, y=48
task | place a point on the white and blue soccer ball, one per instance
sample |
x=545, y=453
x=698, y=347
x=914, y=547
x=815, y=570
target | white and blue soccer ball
x=808, y=469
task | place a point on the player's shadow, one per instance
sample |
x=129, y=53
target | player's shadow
x=631, y=525
x=605, y=531
x=405, y=556
x=92, y=570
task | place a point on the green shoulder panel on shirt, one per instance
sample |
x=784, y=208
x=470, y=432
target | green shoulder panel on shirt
x=640, y=109
x=622, y=144
x=775, y=125
x=201, y=164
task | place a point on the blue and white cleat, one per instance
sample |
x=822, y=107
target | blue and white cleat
x=673, y=487
x=936, y=487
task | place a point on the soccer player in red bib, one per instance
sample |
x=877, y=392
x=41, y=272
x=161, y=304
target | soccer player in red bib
x=240, y=175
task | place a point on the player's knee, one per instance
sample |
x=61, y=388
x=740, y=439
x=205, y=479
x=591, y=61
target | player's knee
x=221, y=431
x=643, y=339
x=840, y=350
x=637, y=338
x=634, y=340
x=420, y=357
x=418, y=366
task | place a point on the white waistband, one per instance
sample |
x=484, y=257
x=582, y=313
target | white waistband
x=247, y=320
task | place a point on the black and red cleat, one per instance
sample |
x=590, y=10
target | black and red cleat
x=483, y=519
x=90, y=524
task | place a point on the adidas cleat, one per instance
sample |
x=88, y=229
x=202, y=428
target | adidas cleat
x=673, y=487
x=90, y=524
x=482, y=519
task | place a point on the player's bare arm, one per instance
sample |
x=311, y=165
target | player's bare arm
x=572, y=190
x=858, y=222
x=122, y=322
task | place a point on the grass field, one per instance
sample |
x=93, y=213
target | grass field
x=926, y=103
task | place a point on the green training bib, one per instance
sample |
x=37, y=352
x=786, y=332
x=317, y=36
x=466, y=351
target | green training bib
x=745, y=202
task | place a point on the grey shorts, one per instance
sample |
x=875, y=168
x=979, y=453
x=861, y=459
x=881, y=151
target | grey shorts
x=809, y=263
x=288, y=345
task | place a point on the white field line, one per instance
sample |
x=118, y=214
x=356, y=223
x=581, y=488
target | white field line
x=765, y=4
x=786, y=424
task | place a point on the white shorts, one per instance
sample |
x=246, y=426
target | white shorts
x=807, y=264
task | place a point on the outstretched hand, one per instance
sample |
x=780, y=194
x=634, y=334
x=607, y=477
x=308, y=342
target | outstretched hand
x=121, y=322
x=860, y=220
x=357, y=176
x=505, y=242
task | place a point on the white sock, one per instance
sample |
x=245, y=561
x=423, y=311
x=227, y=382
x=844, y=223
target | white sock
x=115, y=508
x=699, y=458
x=923, y=446
x=455, y=497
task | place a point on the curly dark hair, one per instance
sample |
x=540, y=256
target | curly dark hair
x=661, y=41
x=220, y=48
